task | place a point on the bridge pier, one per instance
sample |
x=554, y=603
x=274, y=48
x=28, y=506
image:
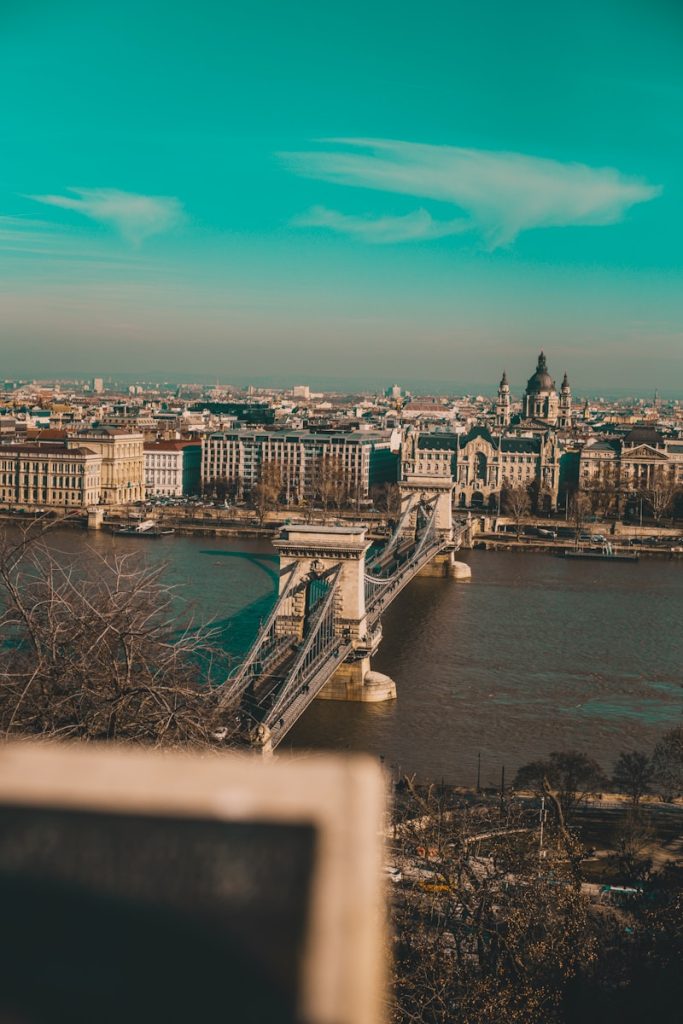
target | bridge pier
x=95, y=518
x=355, y=680
x=446, y=567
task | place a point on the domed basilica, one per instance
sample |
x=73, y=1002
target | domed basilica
x=542, y=405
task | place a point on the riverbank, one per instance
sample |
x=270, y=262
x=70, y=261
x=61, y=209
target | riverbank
x=493, y=542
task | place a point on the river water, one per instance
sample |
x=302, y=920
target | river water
x=534, y=654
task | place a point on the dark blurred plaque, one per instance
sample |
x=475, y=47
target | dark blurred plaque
x=148, y=887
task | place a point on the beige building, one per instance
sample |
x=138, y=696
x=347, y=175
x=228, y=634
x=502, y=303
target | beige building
x=642, y=461
x=123, y=462
x=50, y=475
x=483, y=464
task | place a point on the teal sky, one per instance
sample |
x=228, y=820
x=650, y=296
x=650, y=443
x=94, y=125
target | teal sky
x=357, y=191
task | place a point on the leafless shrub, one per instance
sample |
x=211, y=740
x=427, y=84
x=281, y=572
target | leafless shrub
x=489, y=926
x=92, y=648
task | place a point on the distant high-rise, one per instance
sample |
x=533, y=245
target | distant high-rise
x=98, y=385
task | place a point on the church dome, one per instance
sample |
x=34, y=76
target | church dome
x=541, y=380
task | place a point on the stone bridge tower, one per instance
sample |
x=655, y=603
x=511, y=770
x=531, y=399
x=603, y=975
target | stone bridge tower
x=312, y=550
x=427, y=474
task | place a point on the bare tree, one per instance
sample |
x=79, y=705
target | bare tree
x=387, y=498
x=661, y=495
x=332, y=481
x=266, y=492
x=633, y=774
x=216, y=487
x=94, y=649
x=631, y=839
x=568, y=774
x=602, y=490
x=579, y=510
x=516, y=503
x=667, y=763
x=485, y=929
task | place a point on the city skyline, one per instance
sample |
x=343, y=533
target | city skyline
x=343, y=195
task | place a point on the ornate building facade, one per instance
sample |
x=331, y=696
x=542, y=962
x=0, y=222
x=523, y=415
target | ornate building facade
x=49, y=476
x=123, y=465
x=641, y=462
x=514, y=451
x=482, y=464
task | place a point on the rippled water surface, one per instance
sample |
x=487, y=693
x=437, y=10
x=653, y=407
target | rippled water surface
x=534, y=654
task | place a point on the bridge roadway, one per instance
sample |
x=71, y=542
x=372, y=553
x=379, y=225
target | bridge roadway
x=293, y=658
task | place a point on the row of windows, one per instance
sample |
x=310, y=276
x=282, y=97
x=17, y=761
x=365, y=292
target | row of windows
x=154, y=459
x=44, y=467
x=45, y=496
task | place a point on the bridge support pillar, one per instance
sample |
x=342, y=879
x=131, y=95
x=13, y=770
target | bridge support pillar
x=355, y=680
x=445, y=567
x=95, y=518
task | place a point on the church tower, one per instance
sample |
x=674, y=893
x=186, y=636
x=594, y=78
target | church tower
x=564, y=419
x=503, y=404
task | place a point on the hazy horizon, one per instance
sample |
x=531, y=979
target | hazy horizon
x=443, y=387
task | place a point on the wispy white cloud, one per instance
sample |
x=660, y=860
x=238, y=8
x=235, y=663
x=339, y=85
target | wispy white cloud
x=501, y=194
x=135, y=217
x=45, y=244
x=417, y=225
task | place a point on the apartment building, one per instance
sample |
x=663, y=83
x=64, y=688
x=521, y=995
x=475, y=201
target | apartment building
x=360, y=460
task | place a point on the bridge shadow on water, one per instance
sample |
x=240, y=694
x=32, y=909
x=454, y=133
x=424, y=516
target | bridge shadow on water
x=260, y=560
x=234, y=634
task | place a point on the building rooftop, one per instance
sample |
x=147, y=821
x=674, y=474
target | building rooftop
x=170, y=446
x=49, y=448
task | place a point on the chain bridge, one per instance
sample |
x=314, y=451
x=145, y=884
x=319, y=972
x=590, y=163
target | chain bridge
x=326, y=623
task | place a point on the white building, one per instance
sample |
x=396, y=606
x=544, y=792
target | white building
x=172, y=468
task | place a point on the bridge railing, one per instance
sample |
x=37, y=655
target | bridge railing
x=381, y=557
x=268, y=646
x=321, y=641
x=380, y=590
x=320, y=672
